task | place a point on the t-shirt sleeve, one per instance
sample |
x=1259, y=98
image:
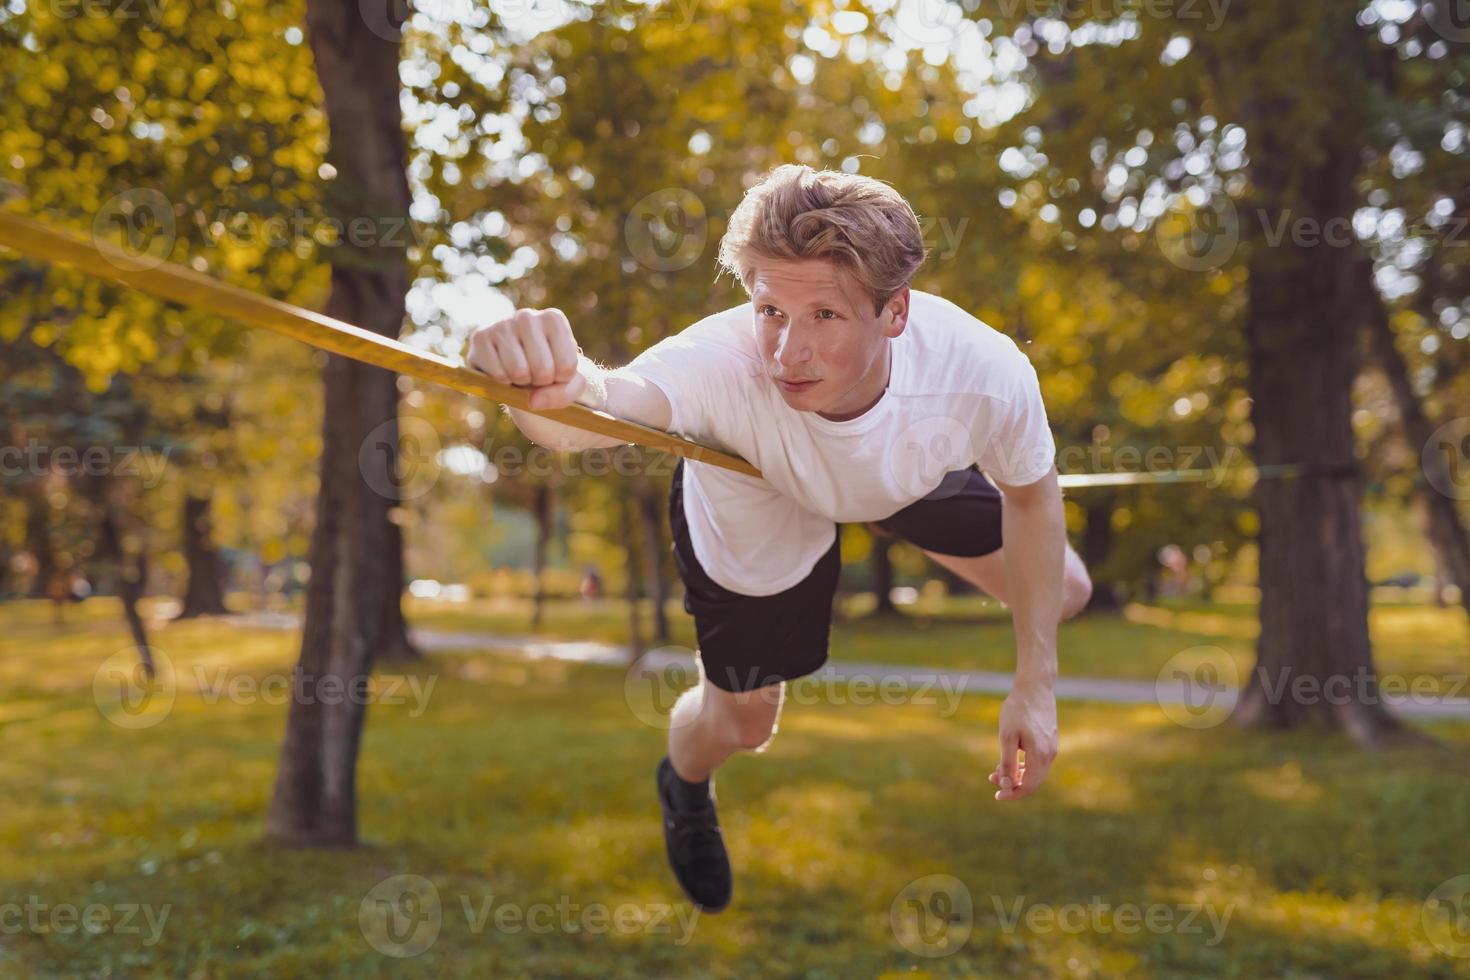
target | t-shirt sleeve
x=700, y=377
x=1017, y=447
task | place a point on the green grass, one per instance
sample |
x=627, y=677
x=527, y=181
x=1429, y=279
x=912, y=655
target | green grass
x=525, y=783
x=1419, y=645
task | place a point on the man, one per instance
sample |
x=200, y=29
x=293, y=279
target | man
x=859, y=399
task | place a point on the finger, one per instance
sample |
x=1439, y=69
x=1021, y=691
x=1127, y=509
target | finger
x=563, y=351
x=1010, y=744
x=484, y=359
x=508, y=347
x=532, y=334
x=558, y=395
x=1035, y=773
x=1020, y=769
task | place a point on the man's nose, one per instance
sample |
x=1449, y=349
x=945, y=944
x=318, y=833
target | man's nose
x=792, y=349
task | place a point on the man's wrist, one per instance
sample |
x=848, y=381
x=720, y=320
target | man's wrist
x=594, y=396
x=1037, y=671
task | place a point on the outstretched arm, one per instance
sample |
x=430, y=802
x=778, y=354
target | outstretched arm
x=1033, y=526
x=536, y=349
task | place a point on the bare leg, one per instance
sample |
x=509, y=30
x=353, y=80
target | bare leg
x=708, y=725
x=988, y=572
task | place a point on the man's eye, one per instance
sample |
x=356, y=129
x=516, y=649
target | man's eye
x=769, y=311
x=832, y=317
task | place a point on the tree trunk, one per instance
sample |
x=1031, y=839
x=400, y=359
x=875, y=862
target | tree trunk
x=38, y=542
x=628, y=522
x=1301, y=336
x=650, y=502
x=128, y=558
x=542, y=503
x=1446, y=531
x=882, y=568
x=354, y=578
x=204, y=594
x=1097, y=544
x=394, y=643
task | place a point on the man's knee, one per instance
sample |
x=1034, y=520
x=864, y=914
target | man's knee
x=1076, y=592
x=748, y=720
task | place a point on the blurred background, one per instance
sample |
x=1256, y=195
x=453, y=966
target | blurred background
x=259, y=600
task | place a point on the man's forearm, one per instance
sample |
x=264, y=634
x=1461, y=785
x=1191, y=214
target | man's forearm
x=565, y=438
x=1036, y=542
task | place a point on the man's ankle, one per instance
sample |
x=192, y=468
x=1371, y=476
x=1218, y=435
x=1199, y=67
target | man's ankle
x=688, y=793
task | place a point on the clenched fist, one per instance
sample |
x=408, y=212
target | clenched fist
x=531, y=348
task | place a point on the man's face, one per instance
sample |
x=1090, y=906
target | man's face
x=814, y=324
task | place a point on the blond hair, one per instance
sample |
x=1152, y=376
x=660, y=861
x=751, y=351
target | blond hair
x=796, y=213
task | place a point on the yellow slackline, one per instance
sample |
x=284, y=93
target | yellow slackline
x=197, y=291
x=201, y=292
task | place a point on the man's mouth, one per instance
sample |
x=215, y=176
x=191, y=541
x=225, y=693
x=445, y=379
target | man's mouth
x=796, y=385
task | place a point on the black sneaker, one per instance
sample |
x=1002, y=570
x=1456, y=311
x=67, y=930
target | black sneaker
x=695, y=846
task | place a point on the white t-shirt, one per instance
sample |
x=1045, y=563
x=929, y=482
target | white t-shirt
x=959, y=393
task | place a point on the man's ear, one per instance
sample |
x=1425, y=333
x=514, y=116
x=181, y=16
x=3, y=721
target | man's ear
x=896, y=313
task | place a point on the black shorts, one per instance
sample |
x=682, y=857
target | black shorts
x=746, y=642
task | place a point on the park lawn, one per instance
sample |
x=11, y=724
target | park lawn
x=529, y=783
x=1419, y=646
